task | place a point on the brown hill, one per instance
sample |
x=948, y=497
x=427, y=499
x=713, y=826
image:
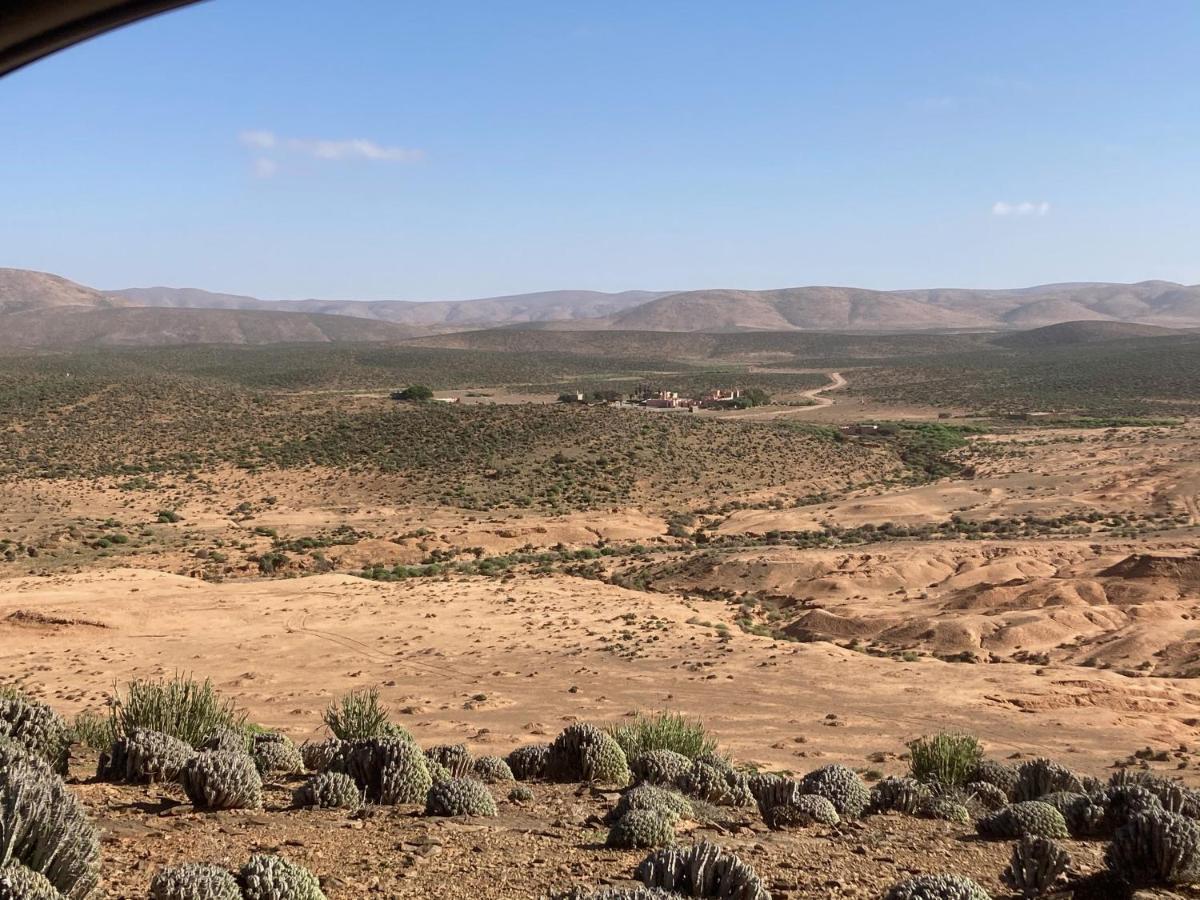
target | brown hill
x=22, y=290
x=1085, y=332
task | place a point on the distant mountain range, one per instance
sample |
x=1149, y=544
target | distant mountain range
x=43, y=310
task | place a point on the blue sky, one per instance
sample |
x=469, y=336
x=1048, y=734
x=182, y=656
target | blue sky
x=418, y=150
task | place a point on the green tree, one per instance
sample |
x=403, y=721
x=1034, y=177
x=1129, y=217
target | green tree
x=415, y=393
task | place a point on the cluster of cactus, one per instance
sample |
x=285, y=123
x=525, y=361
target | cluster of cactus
x=1038, y=777
x=45, y=828
x=1086, y=815
x=519, y=793
x=231, y=740
x=702, y=870
x=806, y=809
x=529, y=763
x=667, y=802
x=36, y=727
x=617, y=893
x=492, y=770
x=642, y=828
x=1035, y=866
x=319, y=755
x=216, y=779
x=454, y=758
x=713, y=780
x=987, y=795
x=1156, y=847
x=388, y=770
x=144, y=756
x=19, y=883
x=660, y=767
x=460, y=797
x=1028, y=817
x=840, y=786
x=937, y=887
x=194, y=881
x=328, y=790
x=995, y=773
x=903, y=795
x=585, y=753
x=275, y=754
x=947, y=809
x=1174, y=796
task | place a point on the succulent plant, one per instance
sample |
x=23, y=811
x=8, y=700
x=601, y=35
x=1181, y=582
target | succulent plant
x=454, y=758
x=641, y=828
x=328, y=790
x=840, y=786
x=1173, y=795
x=904, y=795
x=658, y=767
x=437, y=772
x=1156, y=847
x=45, y=828
x=1035, y=866
x=616, y=893
x=995, y=773
x=987, y=795
x=1038, y=777
x=718, y=786
x=702, y=870
x=144, y=756
x=585, y=753
x=274, y=878
x=1029, y=817
x=670, y=804
x=937, y=887
x=194, y=881
x=529, y=763
x=946, y=809
x=388, y=770
x=520, y=794
x=38, y=728
x=492, y=770
x=1123, y=802
x=20, y=883
x=216, y=779
x=806, y=809
x=275, y=754
x=318, y=755
x=460, y=797
x=1085, y=815
x=231, y=740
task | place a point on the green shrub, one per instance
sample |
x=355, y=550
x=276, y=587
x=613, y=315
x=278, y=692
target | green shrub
x=360, y=715
x=948, y=759
x=93, y=730
x=663, y=731
x=180, y=707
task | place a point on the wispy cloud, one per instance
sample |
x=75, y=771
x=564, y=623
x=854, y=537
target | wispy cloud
x=270, y=147
x=1024, y=208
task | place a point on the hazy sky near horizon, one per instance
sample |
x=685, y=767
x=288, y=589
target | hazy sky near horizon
x=387, y=149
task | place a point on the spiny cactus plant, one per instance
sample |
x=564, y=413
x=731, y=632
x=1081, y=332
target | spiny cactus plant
x=388, y=770
x=194, y=881
x=702, y=870
x=274, y=878
x=1038, y=777
x=1084, y=814
x=45, y=828
x=996, y=773
x=718, y=786
x=937, y=887
x=1029, y=817
x=529, y=763
x=616, y=893
x=1123, y=802
x=659, y=767
x=1174, y=796
x=20, y=883
x=669, y=803
x=460, y=797
x=328, y=790
x=946, y=809
x=275, y=754
x=144, y=756
x=801, y=811
x=1035, y=866
x=520, y=794
x=492, y=770
x=216, y=779
x=231, y=740
x=904, y=795
x=454, y=758
x=318, y=755
x=986, y=794
x=1156, y=847
x=585, y=753
x=36, y=727
x=642, y=828
x=840, y=786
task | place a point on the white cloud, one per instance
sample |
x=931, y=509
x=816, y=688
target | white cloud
x=270, y=147
x=1024, y=208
